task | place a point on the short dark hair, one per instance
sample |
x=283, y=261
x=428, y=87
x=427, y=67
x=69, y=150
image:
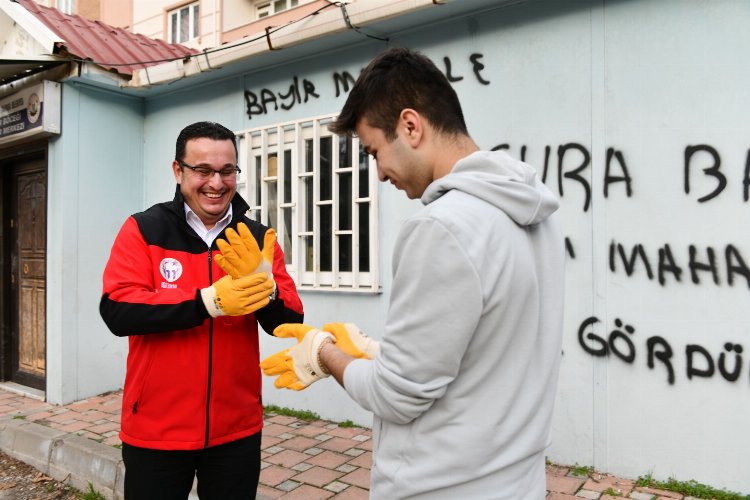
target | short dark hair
x=210, y=130
x=396, y=79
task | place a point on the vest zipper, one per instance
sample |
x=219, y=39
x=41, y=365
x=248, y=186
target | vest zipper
x=210, y=360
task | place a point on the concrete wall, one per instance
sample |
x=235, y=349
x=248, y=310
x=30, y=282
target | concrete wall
x=95, y=182
x=634, y=113
x=148, y=18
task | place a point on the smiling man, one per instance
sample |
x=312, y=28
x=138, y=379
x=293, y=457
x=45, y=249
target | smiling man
x=208, y=196
x=191, y=401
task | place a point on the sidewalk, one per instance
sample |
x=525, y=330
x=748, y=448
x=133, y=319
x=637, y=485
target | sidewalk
x=313, y=460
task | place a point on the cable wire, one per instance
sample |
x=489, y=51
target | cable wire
x=268, y=32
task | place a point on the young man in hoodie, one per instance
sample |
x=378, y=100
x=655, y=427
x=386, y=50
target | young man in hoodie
x=463, y=386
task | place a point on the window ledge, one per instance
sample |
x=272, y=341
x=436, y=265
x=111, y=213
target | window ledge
x=345, y=290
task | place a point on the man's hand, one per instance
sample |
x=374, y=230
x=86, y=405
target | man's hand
x=298, y=366
x=241, y=255
x=237, y=297
x=352, y=341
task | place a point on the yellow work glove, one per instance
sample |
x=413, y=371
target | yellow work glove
x=299, y=366
x=237, y=297
x=352, y=341
x=240, y=256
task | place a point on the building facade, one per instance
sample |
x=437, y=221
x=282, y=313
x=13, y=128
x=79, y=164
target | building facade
x=632, y=111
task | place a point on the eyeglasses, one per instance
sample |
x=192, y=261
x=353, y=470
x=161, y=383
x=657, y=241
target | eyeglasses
x=207, y=173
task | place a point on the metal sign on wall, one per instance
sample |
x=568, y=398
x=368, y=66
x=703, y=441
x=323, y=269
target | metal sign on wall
x=33, y=112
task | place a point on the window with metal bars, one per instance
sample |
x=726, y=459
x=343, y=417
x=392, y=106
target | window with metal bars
x=319, y=192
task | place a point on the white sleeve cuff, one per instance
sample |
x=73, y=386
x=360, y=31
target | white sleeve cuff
x=208, y=295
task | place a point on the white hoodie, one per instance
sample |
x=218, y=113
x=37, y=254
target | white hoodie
x=464, y=386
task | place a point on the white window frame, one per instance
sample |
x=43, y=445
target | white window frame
x=193, y=22
x=259, y=186
x=268, y=8
x=263, y=10
x=65, y=6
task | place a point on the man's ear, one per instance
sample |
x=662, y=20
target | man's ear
x=411, y=124
x=177, y=171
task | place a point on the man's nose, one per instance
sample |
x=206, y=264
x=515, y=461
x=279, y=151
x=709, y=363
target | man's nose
x=216, y=179
x=381, y=175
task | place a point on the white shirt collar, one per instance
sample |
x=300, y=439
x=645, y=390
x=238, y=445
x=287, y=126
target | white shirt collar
x=207, y=235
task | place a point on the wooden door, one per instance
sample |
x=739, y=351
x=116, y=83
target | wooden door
x=28, y=242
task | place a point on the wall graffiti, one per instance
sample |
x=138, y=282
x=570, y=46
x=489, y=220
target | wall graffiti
x=713, y=171
x=572, y=161
x=259, y=104
x=476, y=65
x=664, y=266
x=659, y=354
x=570, y=170
x=301, y=91
x=725, y=265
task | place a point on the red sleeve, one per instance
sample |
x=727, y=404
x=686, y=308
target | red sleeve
x=284, y=282
x=132, y=302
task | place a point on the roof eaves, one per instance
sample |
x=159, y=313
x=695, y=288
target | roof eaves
x=111, y=48
x=325, y=23
x=41, y=33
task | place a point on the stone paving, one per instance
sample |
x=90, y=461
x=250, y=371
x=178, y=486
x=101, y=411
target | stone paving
x=307, y=460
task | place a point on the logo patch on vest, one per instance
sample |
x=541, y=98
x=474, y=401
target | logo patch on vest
x=170, y=269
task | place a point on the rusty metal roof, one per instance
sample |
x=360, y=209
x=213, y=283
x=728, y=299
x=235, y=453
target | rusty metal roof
x=109, y=47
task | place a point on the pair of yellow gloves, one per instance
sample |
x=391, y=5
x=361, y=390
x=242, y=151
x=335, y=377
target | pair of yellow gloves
x=248, y=286
x=249, y=282
x=300, y=365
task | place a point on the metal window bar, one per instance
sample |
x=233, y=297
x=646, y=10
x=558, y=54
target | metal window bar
x=264, y=176
x=286, y=176
x=296, y=263
x=356, y=201
x=374, y=226
x=335, y=222
x=278, y=223
x=321, y=277
x=354, y=162
x=317, y=272
x=304, y=176
x=337, y=231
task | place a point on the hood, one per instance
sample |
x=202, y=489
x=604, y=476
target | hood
x=497, y=178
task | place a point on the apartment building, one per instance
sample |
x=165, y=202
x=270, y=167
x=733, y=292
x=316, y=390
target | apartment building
x=198, y=24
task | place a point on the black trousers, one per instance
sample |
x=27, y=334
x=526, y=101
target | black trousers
x=226, y=472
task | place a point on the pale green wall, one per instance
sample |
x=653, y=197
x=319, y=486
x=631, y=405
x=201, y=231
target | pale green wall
x=95, y=182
